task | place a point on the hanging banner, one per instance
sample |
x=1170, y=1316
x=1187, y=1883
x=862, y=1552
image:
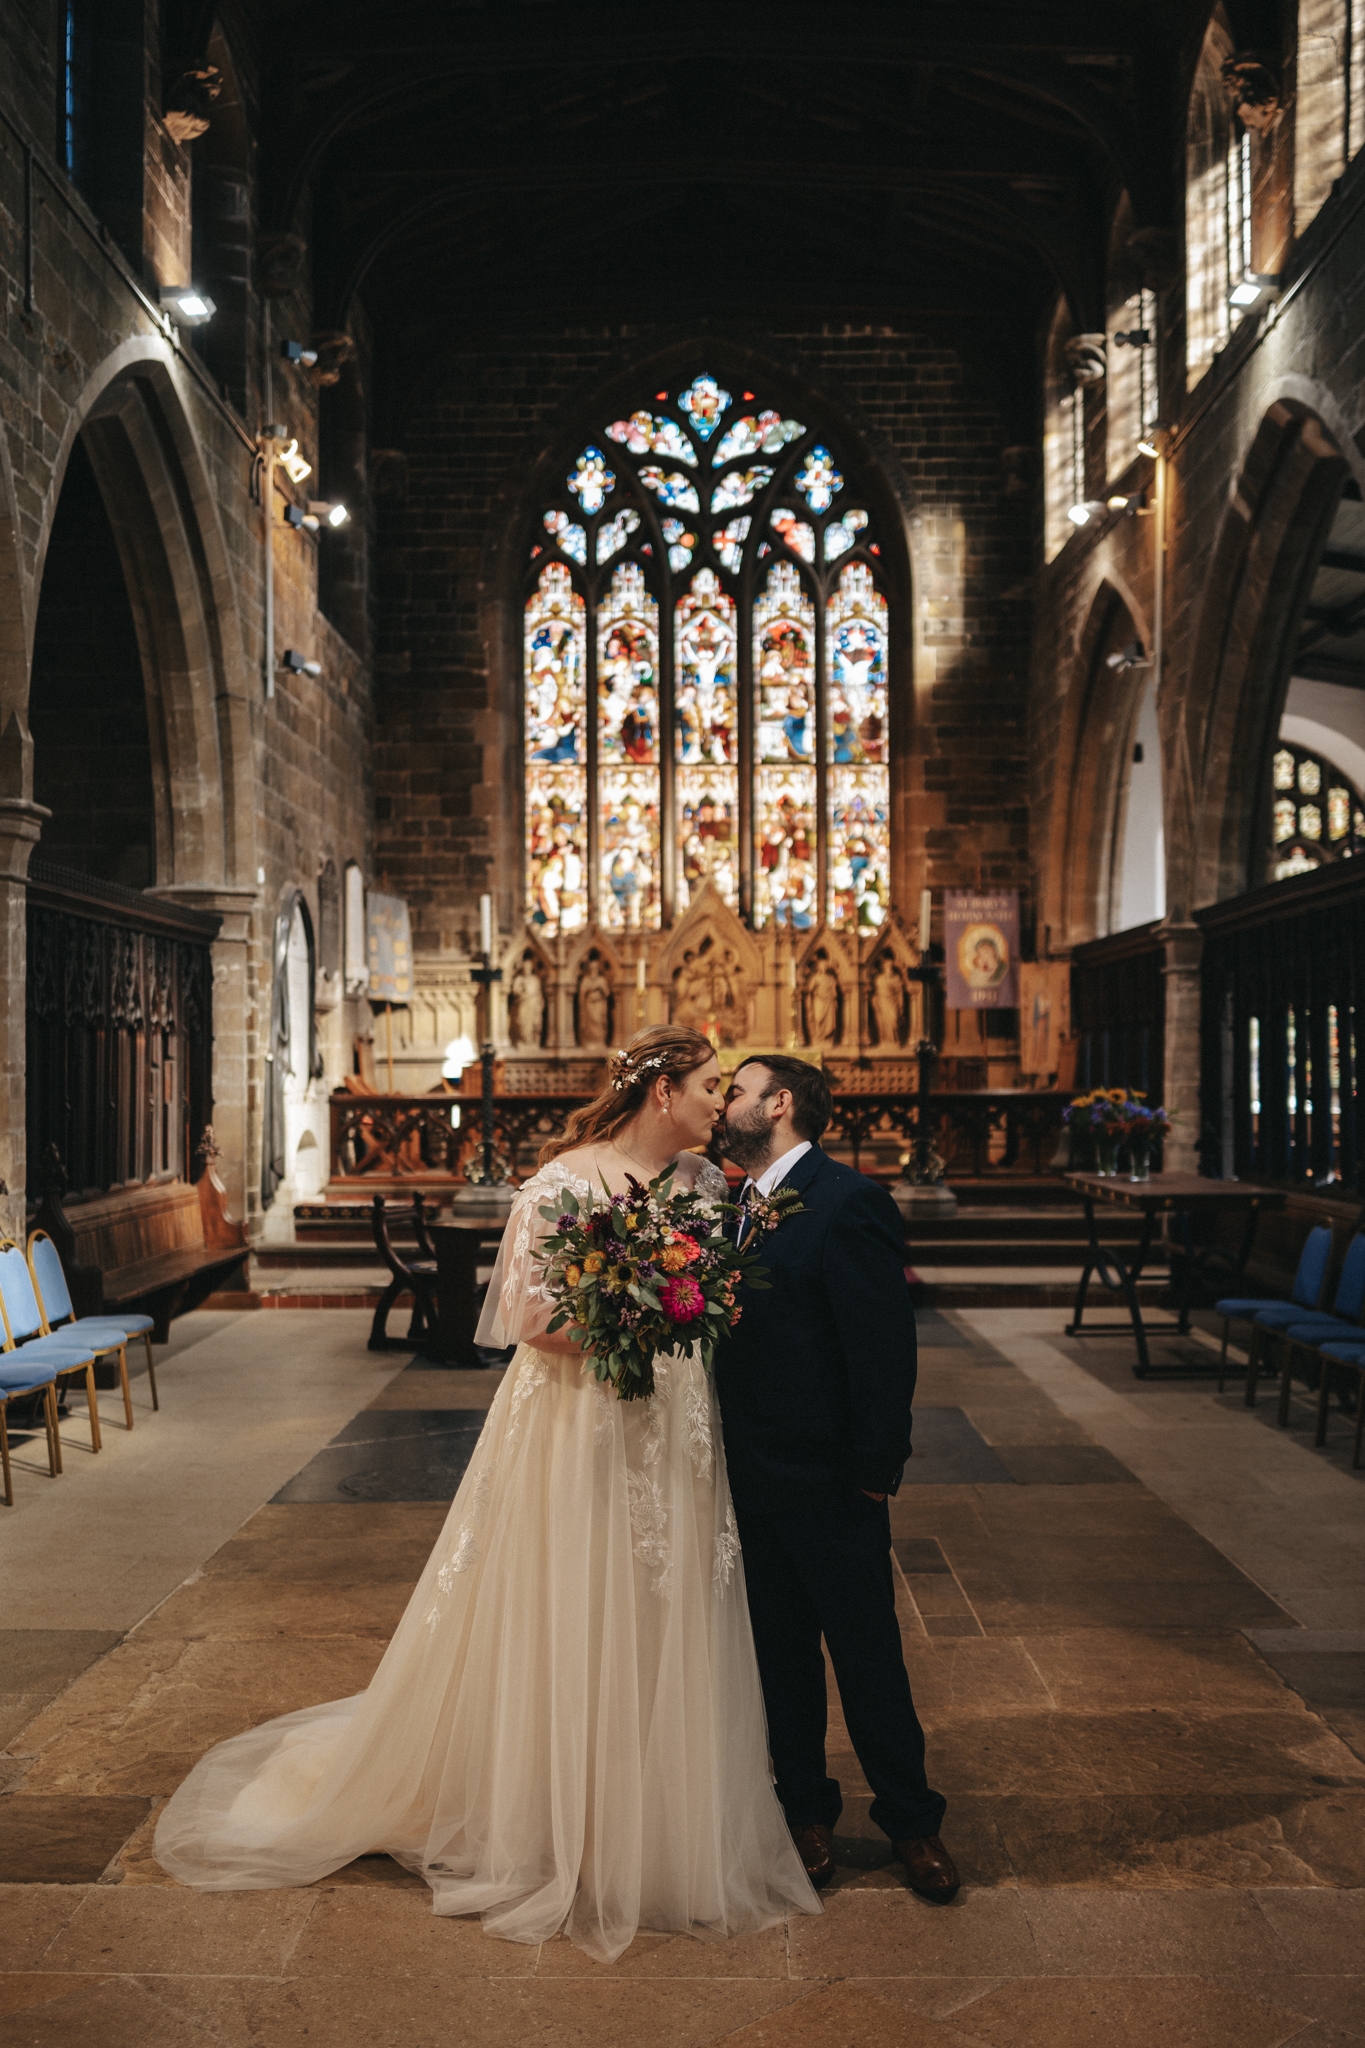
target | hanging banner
x=1044, y=1015
x=389, y=946
x=981, y=944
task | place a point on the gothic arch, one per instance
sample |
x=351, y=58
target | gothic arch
x=163, y=508
x=536, y=475
x=1098, y=716
x=14, y=625
x=1279, y=510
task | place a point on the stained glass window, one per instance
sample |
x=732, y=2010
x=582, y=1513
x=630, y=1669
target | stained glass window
x=556, y=753
x=1305, y=833
x=712, y=588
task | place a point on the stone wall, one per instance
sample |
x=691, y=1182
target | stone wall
x=261, y=788
x=1258, y=455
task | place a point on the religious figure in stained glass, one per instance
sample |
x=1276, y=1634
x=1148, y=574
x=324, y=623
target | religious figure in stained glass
x=1305, y=833
x=734, y=727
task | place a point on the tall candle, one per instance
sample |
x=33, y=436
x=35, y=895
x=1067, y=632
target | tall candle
x=926, y=916
x=640, y=976
x=486, y=924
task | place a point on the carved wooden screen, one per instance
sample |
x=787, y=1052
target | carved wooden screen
x=120, y=1033
x=705, y=678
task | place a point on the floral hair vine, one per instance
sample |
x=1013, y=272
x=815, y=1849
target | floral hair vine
x=625, y=1071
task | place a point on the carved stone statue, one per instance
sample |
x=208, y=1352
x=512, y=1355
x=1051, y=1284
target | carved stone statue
x=888, y=1003
x=526, y=1004
x=594, y=1002
x=692, y=992
x=729, y=998
x=822, y=1005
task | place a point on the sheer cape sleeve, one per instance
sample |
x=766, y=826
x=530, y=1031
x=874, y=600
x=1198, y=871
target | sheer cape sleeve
x=518, y=1306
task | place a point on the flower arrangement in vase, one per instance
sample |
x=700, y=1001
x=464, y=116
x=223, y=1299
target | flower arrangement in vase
x=1104, y=1116
x=1142, y=1128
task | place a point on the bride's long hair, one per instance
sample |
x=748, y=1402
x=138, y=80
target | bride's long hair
x=662, y=1051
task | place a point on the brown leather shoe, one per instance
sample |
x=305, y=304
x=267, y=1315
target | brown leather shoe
x=930, y=1869
x=815, y=1847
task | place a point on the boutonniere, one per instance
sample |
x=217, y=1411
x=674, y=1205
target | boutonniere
x=767, y=1211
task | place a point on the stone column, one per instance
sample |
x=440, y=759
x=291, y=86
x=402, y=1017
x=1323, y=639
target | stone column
x=234, y=1031
x=1184, y=945
x=21, y=823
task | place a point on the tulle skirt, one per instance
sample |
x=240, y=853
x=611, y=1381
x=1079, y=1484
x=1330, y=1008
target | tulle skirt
x=566, y=1732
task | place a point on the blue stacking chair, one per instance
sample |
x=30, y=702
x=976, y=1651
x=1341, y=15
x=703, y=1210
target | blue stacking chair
x=1350, y=1357
x=107, y=1336
x=1309, y=1280
x=24, y=1333
x=19, y=1376
x=1340, y=1324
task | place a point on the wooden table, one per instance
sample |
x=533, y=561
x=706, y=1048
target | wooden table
x=462, y=1247
x=1183, y=1195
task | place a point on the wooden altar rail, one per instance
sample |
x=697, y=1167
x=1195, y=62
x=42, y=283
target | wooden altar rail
x=411, y=1136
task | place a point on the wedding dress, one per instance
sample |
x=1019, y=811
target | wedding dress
x=566, y=1732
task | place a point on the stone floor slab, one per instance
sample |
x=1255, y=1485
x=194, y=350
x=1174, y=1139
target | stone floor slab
x=130, y=1931
x=1118, y=2012
x=894, y=1934
x=63, y=1840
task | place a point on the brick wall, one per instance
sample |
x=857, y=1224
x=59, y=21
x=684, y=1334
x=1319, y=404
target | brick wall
x=475, y=427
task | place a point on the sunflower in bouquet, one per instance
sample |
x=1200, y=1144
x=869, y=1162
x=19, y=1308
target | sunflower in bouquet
x=647, y=1271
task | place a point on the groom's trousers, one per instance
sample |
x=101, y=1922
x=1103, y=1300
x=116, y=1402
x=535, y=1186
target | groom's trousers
x=818, y=1569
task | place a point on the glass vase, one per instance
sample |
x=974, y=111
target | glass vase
x=1140, y=1153
x=1106, y=1154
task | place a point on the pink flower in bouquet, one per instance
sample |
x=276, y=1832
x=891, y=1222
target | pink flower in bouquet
x=682, y=1300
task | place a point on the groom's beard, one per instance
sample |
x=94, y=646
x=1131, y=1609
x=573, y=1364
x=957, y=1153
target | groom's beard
x=748, y=1142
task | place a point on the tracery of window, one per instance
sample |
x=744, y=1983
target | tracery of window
x=708, y=581
x=1317, y=813
x=1329, y=118
x=1217, y=205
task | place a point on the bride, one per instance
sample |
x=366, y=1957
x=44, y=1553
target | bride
x=566, y=1733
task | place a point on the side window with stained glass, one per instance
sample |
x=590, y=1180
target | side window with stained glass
x=1317, y=813
x=706, y=675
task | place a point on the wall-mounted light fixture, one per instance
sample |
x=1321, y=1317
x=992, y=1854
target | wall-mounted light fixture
x=298, y=664
x=1084, y=510
x=1133, y=503
x=294, y=465
x=187, y=303
x=1134, y=337
x=1152, y=441
x=320, y=513
x=295, y=352
x=1256, y=286
x=1128, y=657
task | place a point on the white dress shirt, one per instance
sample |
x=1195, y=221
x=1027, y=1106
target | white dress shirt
x=770, y=1177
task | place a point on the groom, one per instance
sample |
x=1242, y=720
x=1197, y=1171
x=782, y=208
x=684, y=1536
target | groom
x=815, y=1385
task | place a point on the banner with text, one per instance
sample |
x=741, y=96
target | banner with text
x=390, y=948
x=981, y=944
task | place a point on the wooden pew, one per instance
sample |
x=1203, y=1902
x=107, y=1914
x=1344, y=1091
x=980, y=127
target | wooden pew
x=156, y=1250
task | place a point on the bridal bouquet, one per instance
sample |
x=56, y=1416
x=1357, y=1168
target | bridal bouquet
x=652, y=1270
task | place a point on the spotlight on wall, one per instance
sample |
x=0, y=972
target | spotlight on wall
x=188, y=304
x=1134, y=337
x=320, y=513
x=293, y=464
x=295, y=352
x=1130, y=502
x=1084, y=510
x=460, y=1053
x=1150, y=441
x=1256, y=285
x=1128, y=657
x=298, y=664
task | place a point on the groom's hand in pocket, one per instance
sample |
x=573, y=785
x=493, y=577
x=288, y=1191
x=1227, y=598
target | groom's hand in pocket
x=872, y=1496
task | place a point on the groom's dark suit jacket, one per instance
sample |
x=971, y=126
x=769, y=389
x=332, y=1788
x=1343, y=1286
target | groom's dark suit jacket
x=816, y=1379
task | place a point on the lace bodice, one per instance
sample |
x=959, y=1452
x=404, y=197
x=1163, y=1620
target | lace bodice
x=518, y=1306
